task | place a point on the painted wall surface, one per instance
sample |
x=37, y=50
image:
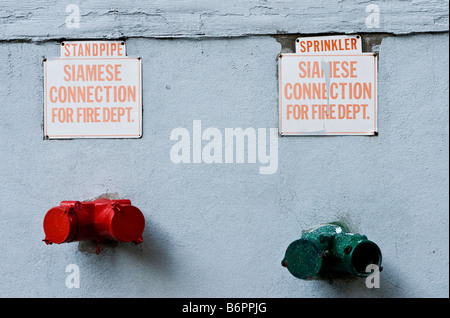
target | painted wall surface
x=221, y=230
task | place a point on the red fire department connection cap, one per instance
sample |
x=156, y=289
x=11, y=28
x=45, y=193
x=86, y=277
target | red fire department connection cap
x=59, y=226
x=128, y=224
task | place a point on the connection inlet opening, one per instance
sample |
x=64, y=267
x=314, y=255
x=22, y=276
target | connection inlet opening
x=364, y=254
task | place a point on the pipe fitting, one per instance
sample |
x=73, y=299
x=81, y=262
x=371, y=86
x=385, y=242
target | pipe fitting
x=100, y=220
x=328, y=250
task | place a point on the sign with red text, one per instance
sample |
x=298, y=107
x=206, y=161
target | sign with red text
x=93, y=49
x=93, y=90
x=334, y=44
x=328, y=94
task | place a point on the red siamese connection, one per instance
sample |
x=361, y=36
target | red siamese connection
x=100, y=220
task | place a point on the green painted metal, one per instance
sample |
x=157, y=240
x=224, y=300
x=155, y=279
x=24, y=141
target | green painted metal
x=330, y=250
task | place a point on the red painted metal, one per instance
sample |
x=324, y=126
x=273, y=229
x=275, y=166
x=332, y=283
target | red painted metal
x=100, y=220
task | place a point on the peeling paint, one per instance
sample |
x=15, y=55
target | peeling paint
x=193, y=18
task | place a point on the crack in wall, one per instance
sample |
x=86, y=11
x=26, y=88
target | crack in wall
x=287, y=41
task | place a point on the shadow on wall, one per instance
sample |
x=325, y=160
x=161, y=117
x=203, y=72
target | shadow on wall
x=152, y=252
x=391, y=285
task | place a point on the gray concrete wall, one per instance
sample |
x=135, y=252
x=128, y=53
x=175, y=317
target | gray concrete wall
x=221, y=230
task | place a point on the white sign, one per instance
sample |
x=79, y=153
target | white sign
x=93, y=91
x=93, y=49
x=328, y=94
x=336, y=44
